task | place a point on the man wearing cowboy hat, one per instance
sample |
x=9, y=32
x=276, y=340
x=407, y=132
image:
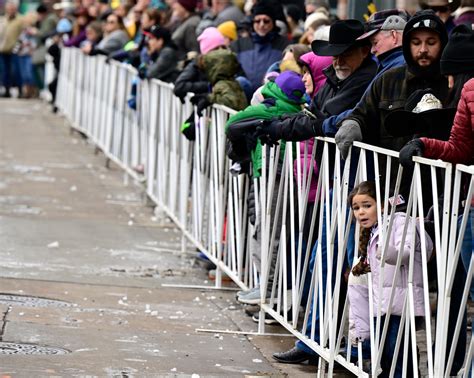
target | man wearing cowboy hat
x=384, y=31
x=349, y=75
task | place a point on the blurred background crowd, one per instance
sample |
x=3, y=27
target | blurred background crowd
x=153, y=34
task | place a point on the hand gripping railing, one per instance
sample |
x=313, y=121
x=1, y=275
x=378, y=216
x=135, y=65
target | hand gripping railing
x=304, y=235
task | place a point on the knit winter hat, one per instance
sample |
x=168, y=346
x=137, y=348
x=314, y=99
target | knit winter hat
x=264, y=7
x=458, y=55
x=210, y=39
x=291, y=84
x=228, y=29
x=189, y=5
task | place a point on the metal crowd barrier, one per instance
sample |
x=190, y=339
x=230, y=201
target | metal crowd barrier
x=192, y=183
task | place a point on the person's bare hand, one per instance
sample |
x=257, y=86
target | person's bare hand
x=86, y=49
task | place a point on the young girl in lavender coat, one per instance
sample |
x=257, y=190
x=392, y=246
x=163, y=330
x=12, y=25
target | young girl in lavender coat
x=363, y=202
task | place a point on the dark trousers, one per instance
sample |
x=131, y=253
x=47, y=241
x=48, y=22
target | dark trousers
x=388, y=353
x=6, y=62
x=10, y=74
x=324, y=272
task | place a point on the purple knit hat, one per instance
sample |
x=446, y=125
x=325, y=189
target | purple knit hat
x=291, y=84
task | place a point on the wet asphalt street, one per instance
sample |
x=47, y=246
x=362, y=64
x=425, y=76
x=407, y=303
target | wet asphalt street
x=72, y=232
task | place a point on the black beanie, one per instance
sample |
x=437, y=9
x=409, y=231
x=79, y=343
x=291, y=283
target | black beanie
x=265, y=7
x=458, y=56
x=425, y=19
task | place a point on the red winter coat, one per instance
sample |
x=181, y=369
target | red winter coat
x=459, y=149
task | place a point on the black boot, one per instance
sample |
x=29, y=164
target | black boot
x=295, y=356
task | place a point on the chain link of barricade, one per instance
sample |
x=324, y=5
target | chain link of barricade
x=298, y=250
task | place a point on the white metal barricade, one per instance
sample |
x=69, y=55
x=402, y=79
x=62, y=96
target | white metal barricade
x=304, y=247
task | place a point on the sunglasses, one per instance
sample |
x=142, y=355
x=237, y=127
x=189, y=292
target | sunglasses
x=441, y=9
x=265, y=21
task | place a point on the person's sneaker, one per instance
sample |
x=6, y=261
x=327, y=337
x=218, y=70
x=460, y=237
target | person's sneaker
x=243, y=292
x=212, y=276
x=269, y=319
x=203, y=261
x=139, y=168
x=295, y=356
x=250, y=310
x=253, y=297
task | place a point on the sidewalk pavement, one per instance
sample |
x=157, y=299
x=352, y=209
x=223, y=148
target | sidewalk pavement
x=71, y=231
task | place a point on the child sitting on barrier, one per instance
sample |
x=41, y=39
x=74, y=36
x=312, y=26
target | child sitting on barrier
x=369, y=267
x=283, y=95
x=220, y=67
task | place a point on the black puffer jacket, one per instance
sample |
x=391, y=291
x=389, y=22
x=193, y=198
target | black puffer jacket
x=191, y=79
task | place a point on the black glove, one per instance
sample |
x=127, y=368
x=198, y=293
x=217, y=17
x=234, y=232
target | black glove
x=188, y=128
x=201, y=102
x=414, y=147
x=269, y=131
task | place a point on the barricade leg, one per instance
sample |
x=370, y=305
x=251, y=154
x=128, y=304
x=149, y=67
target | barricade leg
x=454, y=310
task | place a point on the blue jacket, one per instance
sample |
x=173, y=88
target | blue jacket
x=390, y=59
x=255, y=54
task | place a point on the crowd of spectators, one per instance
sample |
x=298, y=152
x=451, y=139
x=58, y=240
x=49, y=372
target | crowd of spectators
x=294, y=71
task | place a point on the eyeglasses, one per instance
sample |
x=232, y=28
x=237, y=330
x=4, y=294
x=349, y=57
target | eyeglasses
x=265, y=21
x=440, y=9
x=111, y=22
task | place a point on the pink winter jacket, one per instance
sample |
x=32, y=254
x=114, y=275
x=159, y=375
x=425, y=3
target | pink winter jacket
x=459, y=149
x=358, y=291
x=313, y=185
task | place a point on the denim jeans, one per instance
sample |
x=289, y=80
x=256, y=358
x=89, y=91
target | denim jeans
x=467, y=249
x=389, y=350
x=350, y=253
x=26, y=70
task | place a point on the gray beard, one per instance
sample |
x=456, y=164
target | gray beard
x=341, y=75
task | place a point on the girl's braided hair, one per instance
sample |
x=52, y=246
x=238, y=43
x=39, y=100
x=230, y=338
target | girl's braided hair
x=362, y=267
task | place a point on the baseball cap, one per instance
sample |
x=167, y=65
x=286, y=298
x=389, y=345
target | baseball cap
x=157, y=31
x=392, y=19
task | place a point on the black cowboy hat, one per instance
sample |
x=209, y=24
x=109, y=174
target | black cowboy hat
x=423, y=115
x=342, y=36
